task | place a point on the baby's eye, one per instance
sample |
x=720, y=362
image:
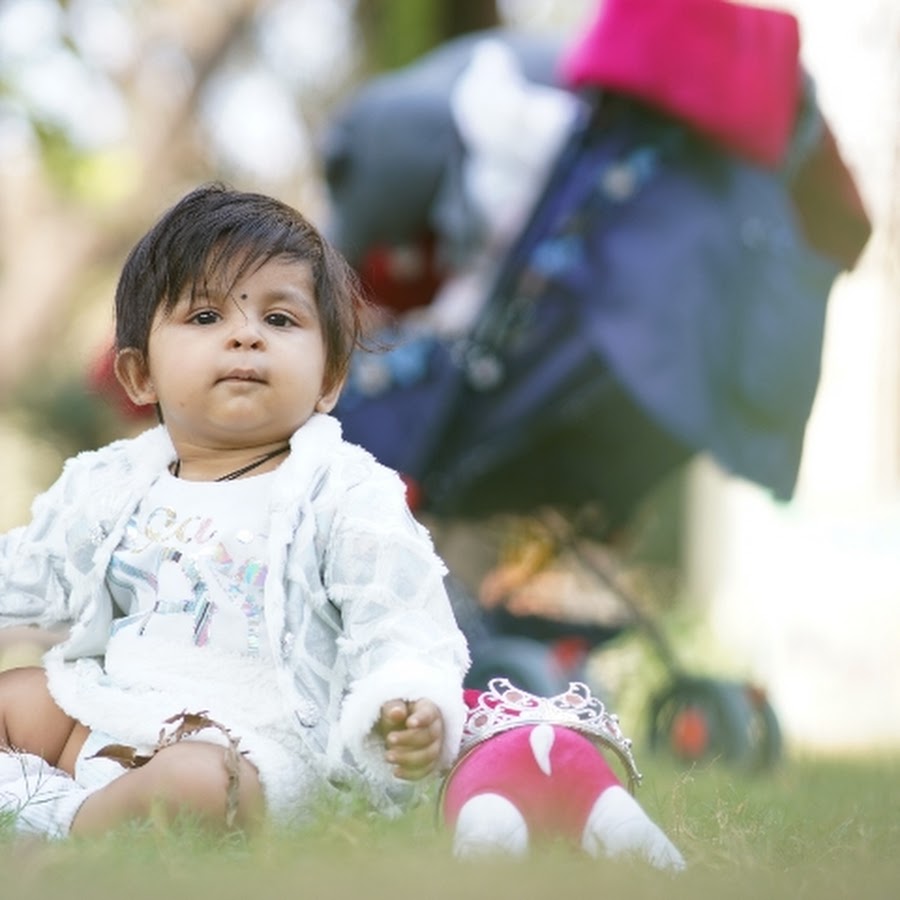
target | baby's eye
x=279, y=320
x=205, y=317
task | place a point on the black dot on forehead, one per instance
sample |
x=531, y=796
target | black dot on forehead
x=243, y=296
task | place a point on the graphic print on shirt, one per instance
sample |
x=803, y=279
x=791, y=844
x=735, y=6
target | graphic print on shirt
x=183, y=578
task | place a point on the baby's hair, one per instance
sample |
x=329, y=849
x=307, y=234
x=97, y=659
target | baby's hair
x=215, y=232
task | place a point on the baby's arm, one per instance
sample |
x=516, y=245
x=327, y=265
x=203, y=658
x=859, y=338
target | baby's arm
x=400, y=638
x=413, y=733
x=34, y=589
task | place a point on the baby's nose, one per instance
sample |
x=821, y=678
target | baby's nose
x=246, y=333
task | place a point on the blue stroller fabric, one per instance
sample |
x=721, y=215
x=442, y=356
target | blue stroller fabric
x=661, y=301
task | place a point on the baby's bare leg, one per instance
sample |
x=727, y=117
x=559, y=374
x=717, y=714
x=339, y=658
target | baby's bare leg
x=188, y=778
x=31, y=721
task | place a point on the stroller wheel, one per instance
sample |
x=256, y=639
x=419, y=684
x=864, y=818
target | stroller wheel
x=704, y=719
x=527, y=663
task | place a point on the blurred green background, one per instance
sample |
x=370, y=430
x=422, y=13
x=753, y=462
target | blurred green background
x=111, y=109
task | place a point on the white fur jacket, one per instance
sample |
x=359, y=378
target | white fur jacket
x=355, y=603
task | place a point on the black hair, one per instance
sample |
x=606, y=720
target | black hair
x=214, y=232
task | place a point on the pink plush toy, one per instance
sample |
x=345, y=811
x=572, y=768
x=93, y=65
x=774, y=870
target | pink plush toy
x=532, y=768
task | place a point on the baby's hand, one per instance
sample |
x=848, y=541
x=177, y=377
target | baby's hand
x=413, y=733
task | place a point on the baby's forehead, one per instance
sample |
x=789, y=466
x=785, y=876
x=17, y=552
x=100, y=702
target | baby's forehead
x=221, y=271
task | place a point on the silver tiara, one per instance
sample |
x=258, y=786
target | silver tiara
x=503, y=706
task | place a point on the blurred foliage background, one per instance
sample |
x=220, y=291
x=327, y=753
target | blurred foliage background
x=111, y=109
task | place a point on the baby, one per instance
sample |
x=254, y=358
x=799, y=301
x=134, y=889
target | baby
x=248, y=619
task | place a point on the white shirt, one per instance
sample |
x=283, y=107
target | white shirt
x=191, y=566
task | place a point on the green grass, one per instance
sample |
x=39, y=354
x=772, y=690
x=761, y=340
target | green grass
x=813, y=828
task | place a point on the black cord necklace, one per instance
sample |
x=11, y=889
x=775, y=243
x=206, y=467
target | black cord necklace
x=243, y=470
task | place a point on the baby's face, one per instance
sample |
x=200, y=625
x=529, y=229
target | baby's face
x=243, y=367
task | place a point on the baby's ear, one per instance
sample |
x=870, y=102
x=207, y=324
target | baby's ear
x=134, y=376
x=329, y=399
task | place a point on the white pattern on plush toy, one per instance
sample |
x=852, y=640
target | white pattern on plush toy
x=617, y=826
x=487, y=825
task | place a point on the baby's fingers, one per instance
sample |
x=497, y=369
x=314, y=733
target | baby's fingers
x=415, y=738
x=423, y=713
x=412, y=765
x=393, y=717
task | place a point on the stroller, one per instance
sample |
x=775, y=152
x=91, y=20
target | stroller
x=664, y=295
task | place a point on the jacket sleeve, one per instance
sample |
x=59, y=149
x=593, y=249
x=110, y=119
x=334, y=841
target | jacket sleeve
x=399, y=638
x=34, y=588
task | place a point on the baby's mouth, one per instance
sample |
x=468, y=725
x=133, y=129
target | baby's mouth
x=244, y=375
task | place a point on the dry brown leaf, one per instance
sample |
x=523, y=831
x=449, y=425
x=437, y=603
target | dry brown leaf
x=125, y=756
